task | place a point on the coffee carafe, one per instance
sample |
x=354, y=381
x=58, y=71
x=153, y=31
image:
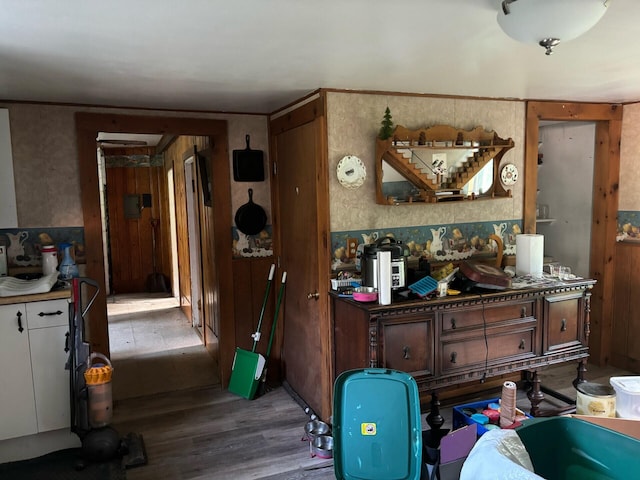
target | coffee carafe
x=369, y=263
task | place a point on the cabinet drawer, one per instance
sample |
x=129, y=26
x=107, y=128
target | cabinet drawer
x=50, y=313
x=491, y=314
x=473, y=351
x=563, y=322
x=408, y=346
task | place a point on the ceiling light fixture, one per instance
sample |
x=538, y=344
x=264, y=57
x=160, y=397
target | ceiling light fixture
x=547, y=22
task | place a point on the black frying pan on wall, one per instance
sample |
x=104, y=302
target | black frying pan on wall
x=250, y=217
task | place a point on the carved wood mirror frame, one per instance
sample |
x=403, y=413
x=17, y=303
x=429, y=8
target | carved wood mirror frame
x=472, y=150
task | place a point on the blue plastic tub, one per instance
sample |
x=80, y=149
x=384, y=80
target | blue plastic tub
x=376, y=426
x=460, y=419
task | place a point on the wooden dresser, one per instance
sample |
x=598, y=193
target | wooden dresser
x=457, y=339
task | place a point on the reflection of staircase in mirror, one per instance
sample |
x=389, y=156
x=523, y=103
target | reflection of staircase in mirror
x=401, y=160
x=411, y=152
x=471, y=167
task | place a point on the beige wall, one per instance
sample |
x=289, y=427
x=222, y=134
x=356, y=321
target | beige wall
x=48, y=185
x=630, y=158
x=43, y=140
x=353, y=123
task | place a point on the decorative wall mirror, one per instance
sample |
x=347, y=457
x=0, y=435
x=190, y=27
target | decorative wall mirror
x=439, y=163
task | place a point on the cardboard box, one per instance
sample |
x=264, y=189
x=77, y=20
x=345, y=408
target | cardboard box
x=453, y=449
x=625, y=426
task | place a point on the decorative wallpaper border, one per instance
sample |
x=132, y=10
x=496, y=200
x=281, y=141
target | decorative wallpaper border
x=260, y=245
x=23, y=244
x=628, y=226
x=444, y=242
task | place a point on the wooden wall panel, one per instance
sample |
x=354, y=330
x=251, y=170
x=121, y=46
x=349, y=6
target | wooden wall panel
x=249, y=283
x=131, y=242
x=625, y=338
x=215, y=151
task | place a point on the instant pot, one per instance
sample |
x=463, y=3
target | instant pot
x=369, y=263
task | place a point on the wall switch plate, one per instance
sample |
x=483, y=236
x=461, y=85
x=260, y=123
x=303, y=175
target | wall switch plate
x=352, y=247
x=3, y=261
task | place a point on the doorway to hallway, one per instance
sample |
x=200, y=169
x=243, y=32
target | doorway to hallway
x=154, y=349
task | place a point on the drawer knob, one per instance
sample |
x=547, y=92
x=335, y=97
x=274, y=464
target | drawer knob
x=454, y=356
x=523, y=312
x=522, y=344
x=405, y=353
x=19, y=315
x=563, y=325
x=453, y=323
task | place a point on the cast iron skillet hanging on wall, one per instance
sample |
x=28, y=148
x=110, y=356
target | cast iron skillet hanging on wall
x=250, y=217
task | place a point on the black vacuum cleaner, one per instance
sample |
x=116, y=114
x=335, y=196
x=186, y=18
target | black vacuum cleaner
x=99, y=444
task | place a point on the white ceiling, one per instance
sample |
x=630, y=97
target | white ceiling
x=259, y=55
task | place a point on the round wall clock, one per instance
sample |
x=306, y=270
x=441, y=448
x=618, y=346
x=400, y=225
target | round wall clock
x=351, y=172
x=509, y=174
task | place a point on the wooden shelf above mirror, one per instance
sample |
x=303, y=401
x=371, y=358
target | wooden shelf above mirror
x=439, y=163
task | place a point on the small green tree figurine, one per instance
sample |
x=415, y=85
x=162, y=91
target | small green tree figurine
x=386, y=131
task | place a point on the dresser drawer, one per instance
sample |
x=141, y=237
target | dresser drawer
x=563, y=325
x=491, y=314
x=499, y=346
x=408, y=346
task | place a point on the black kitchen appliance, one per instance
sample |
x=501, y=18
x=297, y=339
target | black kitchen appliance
x=369, y=263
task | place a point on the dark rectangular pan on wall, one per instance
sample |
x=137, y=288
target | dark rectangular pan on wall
x=248, y=165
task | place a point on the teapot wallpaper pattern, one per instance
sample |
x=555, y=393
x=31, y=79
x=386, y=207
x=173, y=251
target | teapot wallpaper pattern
x=433, y=242
x=628, y=226
x=23, y=244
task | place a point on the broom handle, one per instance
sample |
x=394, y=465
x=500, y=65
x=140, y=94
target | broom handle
x=256, y=336
x=275, y=317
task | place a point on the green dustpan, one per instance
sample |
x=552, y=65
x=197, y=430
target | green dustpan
x=247, y=367
x=246, y=373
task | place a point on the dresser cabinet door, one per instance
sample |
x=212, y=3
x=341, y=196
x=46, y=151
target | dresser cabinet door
x=564, y=324
x=17, y=405
x=408, y=345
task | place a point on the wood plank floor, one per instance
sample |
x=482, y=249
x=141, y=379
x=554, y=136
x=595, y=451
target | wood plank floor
x=198, y=431
x=208, y=433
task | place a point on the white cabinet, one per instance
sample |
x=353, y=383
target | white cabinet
x=48, y=327
x=17, y=404
x=8, y=209
x=34, y=393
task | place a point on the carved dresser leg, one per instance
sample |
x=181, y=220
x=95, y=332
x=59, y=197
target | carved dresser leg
x=434, y=418
x=535, y=395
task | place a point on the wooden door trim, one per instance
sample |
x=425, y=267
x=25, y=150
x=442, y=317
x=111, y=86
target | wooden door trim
x=608, y=118
x=87, y=127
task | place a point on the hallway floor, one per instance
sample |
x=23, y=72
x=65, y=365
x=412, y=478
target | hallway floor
x=154, y=348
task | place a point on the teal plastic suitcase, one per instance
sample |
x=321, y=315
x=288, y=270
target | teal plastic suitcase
x=377, y=432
